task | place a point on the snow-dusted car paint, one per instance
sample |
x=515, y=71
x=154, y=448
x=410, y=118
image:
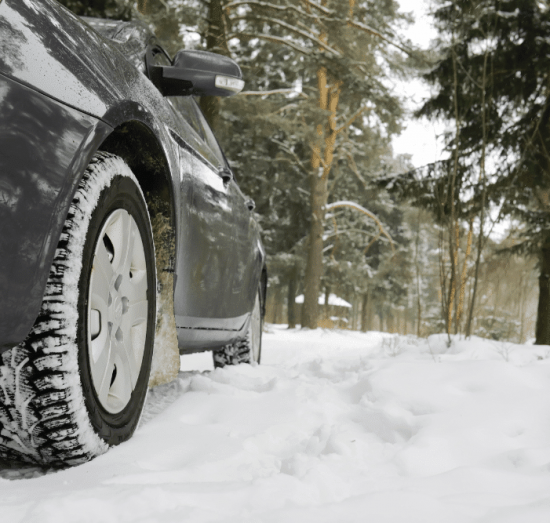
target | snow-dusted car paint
x=66, y=92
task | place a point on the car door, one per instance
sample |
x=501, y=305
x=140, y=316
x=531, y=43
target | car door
x=249, y=253
x=246, y=245
x=206, y=258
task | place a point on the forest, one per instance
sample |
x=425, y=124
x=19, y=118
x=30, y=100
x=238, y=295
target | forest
x=356, y=236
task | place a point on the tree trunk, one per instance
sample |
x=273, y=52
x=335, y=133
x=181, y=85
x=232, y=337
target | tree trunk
x=275, y=302
x=291, y=303
x=364, y=312
x=327, y=304
x=354, y=312
x=417, y=267
x=483, y=196
x=217, y=43
x=390, y=322
x=542, y=333
x=314, y=266
x=321, y=163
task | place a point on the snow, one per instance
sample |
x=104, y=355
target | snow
x=334, y=426
x=332, y=300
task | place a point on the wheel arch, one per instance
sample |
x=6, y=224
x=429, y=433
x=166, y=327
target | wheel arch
x=140, y=148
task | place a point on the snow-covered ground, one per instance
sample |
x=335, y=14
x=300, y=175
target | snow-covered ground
x=333, y=427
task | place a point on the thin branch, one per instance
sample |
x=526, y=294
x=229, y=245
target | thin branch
x=358, y=25
x=359, y=208
x=310, y=36
x=284, y=108
x=371, y=31
x=321, y=8
x=294, y=155
x=274, y=91
x=347, y=231
x=352, y=119
x=282, y=8
x=356, y=170
x=275, y=39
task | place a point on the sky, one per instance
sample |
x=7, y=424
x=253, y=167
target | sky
x=419, y=137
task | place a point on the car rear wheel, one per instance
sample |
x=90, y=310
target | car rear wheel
x=248, y=349
x=78, y=384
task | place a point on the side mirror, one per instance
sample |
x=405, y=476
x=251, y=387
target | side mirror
x=198, y=73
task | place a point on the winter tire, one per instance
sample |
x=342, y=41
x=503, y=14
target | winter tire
x=248, y=349
x=77, y=385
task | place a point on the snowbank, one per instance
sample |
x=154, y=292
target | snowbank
x=334, y=426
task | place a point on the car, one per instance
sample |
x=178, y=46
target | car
x=125, y=240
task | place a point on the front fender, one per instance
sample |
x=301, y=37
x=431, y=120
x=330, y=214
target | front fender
x=46, y=146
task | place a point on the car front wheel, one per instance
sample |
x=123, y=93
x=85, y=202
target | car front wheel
x=78, y=384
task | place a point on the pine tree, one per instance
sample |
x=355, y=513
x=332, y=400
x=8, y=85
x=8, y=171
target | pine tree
x=498, y=54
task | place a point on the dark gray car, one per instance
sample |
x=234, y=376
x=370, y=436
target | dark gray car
x=124, y=237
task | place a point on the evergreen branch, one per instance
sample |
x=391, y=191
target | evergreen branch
x=371, y=243
x=335, y=181
x=274, y=39
x=358, y=25
x=310, y=36
x=369, y=30
x=356, y=170
x=294, y=155
x=359, y=208
x=352, y=119
x=284, y=108
x=348, y=231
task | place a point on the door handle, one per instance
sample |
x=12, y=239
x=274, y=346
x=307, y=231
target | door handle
x=226, y=174
x=251, y=204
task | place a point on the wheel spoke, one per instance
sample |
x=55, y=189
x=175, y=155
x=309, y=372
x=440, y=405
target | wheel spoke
x=99, y=295
x=137, y=313
x=103, y=273
x=127, y=371
x=125, y=244
x=122, y=392
x=102, y=370
x=125, y=352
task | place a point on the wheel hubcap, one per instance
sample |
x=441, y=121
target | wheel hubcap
x=117, y=311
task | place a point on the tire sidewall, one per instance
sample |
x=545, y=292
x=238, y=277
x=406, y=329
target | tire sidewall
x=122, y=193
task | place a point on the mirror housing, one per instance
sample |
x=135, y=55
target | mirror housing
x=198, y=73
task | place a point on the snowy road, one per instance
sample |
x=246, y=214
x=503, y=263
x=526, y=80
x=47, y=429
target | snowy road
x=334, y=427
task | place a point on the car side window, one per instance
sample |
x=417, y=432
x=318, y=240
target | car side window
x=184, y=105
x=209, y=136
x=202, y=138
x=160, y=57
